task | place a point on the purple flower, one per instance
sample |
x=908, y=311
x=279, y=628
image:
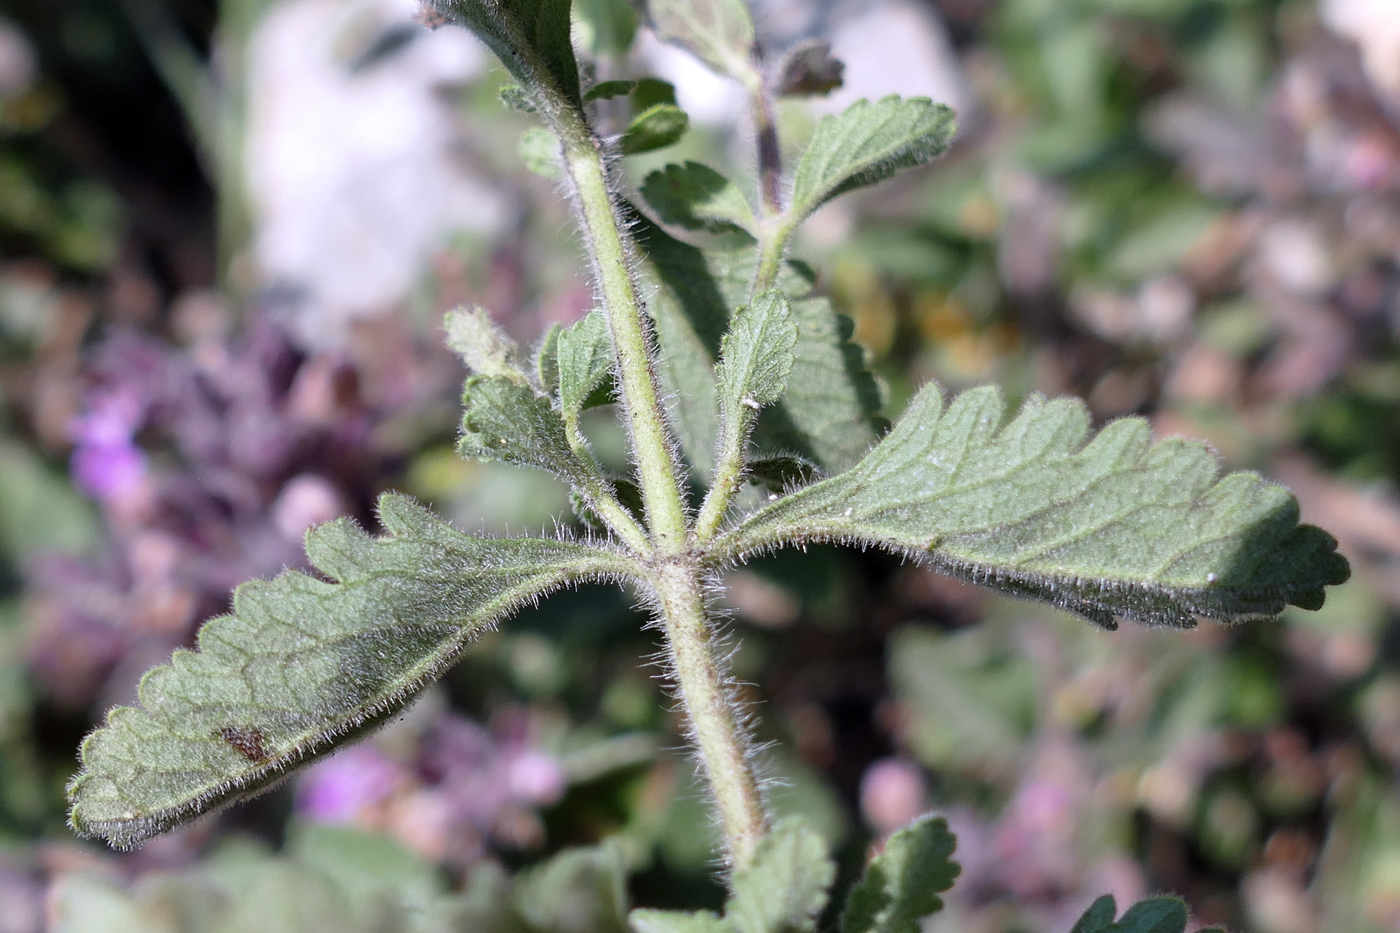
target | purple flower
x=106, y=462
x=345, y=785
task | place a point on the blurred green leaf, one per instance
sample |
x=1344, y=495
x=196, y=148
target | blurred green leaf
x=718, y=32
x=39, y=509
x=901, y=885
x=656, y=127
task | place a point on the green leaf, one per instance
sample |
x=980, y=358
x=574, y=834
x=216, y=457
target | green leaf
x=828, y=416
x=1099, y=917
x=607, y=27
x=483, y=347
x=719, y=32
x=1153, y=915
x=304, y=664
x=867, y=143
x=584, y=358
x=756, y=355
x=531, y=38
x=656, y=127
x=583, y=889
x=697, y=197
x=784, y=887
x=539, y=152
x=504, y=420
x=1116, y=527
x=901, y=885
x=607, y=90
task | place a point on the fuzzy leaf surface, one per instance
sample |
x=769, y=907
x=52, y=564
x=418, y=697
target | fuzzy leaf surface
x=901, y=885
x=785, y=886
x=504, y=420
x=696, y=197
x=531, y=38
x=303, y=664
x=782, y=890
x=756, y=356
x=828, y=417
x=718, y=32
x=584, y=359
x=1109, y=527
x=483, y=347
x=866, y=143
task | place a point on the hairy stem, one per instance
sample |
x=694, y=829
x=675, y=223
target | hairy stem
x=651, y=444
x=708, y=696
x=702, y=681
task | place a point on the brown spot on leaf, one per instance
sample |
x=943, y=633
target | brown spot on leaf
x=247, y=741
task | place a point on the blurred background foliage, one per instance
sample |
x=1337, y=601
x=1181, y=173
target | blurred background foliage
x=228, y=231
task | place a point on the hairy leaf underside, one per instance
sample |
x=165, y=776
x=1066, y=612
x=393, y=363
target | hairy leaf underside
x=1109, y=527
x=304, y=663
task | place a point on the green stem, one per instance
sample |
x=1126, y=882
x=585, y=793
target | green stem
x=676, y=579
x=709, y=700
x=600, y=496
x=651, y=444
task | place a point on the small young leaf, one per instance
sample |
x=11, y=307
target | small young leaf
x=607, y=90
x=867, y=143
x=584, y=359
x=515, y=99
x=1153, y=915
x=505, y=420
x=1113, y=528
x=648, y=92
x=547, y=360
x=719, y=32
x=782, y=474
x=304, y=664
x=539, y=152
x=828, y=416
x=901, y=885
x=656, y=127
x=756, y=355
x=542, y=25
x=785, y=886
x=697, y=197
x=808, y=70
x=483, y=347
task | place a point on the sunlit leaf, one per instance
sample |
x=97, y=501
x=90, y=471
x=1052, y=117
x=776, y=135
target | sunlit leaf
x=504, y=420
x=303, y=664
x=1113, y=527
x=755, y=361
x=867, y=143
